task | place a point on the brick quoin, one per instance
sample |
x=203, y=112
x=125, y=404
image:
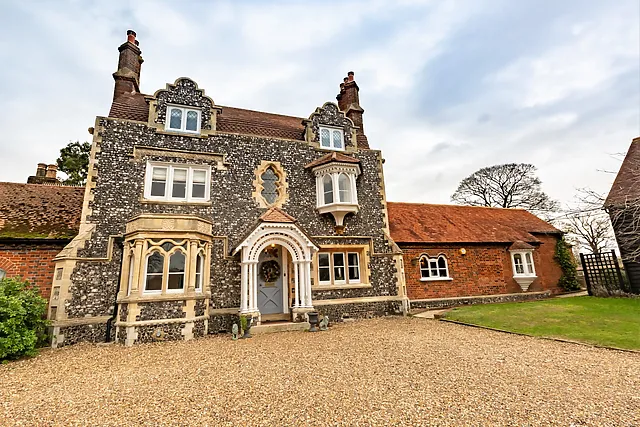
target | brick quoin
x=33, y=262
x=485, y=269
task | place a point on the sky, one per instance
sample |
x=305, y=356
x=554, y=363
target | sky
x=448, y=86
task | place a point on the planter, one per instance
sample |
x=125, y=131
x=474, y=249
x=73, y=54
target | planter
x=313, y=321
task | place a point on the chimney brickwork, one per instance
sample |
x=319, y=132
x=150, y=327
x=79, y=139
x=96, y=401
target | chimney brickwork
x=127, y=78
x=45, y=174
x=349, y=103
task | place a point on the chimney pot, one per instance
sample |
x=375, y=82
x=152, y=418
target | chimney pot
x=41, y=170
x=350, y=76
x=51, y=171
x=131, y=37
x=346, y=79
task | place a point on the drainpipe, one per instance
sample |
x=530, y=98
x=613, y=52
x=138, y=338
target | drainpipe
x=120, y=243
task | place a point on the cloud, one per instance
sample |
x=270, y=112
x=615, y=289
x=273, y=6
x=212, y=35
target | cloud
x=448, y=86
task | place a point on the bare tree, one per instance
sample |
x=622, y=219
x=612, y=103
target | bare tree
x=506, y=186
x=592, y=230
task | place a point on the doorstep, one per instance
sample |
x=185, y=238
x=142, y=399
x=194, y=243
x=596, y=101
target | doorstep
x=270, y=327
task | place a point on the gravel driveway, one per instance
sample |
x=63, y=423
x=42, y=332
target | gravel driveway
x=391, y=371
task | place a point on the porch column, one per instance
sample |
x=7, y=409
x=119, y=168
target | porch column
x=255, y=286
x=296, y=297
x=307, y=267
x=250, y=284
x=244, y=278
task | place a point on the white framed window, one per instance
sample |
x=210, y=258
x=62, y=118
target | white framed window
x=523, y=265
x=434, y=268
x=179, y=183
x=339, y=268
x=154, y=273
x=199, y=272
x=3, y=274
x=331, y=138
x=337, y=187
x=175, y=279
x=182, y=119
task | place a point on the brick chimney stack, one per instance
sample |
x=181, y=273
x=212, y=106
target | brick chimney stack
x=52, y=171
x=41, y=170
x=128, y=75
x=349, y=102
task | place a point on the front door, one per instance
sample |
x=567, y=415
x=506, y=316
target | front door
x=270, y=298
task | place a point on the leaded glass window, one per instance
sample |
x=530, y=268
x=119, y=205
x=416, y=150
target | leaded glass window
x=192, y=120
x=270, y=185
x=327, y=184
x=344, y=188
x=331, y=138
x=325, y=138
x=176, y=118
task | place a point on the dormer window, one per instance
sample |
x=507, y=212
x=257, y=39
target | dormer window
x=331, y=138
x=182, y=119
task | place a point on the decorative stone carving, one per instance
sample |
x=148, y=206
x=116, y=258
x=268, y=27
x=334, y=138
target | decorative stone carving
x=324, y=323
x=281, y=185
x=185, y=92
x=329, y=114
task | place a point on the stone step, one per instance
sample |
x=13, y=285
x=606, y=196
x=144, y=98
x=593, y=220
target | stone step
x=267, y=328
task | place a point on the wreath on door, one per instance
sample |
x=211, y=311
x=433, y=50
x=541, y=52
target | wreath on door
x=270, y=270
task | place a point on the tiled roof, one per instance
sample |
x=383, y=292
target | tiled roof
x=249, y=122
x=626, y=186
x=425, y=223
x=38, y=211
x=130, y=107
x=332, y=157
x=276, y=215
x=230, y=120
x=519, y=245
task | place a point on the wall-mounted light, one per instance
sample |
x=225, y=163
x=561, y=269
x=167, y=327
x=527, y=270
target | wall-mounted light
x=463, y=251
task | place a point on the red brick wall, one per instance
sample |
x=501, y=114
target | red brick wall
x=33, y=262
x=482, y=270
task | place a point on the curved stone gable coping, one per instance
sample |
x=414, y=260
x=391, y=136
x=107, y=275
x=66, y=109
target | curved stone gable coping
x=329, y=114
x=183, y=91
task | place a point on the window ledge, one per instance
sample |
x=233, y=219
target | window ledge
x=335, y=287
x=174, y=296
x=197, y=134
x=435, y=279
x=177, y=202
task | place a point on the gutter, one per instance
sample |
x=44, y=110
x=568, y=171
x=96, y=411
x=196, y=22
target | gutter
x=120, y=243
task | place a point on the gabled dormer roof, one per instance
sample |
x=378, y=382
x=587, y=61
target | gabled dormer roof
x=332, y=157
x=276, y=215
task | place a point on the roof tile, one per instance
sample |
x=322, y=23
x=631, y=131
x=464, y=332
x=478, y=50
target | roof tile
x=39, y=211
x=332, y=157
x=425, y=223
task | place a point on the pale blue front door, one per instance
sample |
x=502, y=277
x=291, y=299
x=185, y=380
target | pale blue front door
x=270, y=297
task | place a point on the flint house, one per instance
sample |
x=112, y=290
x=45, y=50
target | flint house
x=194, y=213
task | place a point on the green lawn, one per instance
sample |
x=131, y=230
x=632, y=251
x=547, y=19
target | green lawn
x=613, y=322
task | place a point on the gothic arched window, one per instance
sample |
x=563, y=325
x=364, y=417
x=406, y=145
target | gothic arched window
x=270, y=185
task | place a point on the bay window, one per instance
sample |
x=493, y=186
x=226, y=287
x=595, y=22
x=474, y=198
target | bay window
x=524, y=270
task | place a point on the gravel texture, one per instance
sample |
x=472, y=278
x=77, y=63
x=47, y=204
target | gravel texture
x=391, y=371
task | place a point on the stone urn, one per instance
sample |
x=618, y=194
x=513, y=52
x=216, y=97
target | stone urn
x=313, y=321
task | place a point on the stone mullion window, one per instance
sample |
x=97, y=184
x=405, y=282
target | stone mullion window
x=270, y=185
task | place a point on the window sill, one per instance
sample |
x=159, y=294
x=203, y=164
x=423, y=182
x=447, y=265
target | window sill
x=164, y=297
x=192, y=134
x=435, y=279
x=336, y=287
x=176, y=202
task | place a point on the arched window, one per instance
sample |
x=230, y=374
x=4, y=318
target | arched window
x=175, y=282
x=327, y=185
x=344, y=188
x=523, y=263
x=434, y=268
x=130, y=279
x=270, y=185
x=199, y=267
x=3, y=274
x=155, y=270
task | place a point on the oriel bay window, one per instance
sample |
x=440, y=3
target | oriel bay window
x=340, y=267
x=177, y=182
x=165, y=266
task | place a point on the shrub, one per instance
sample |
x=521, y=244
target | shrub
x=569, y=280
x=22, y=319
